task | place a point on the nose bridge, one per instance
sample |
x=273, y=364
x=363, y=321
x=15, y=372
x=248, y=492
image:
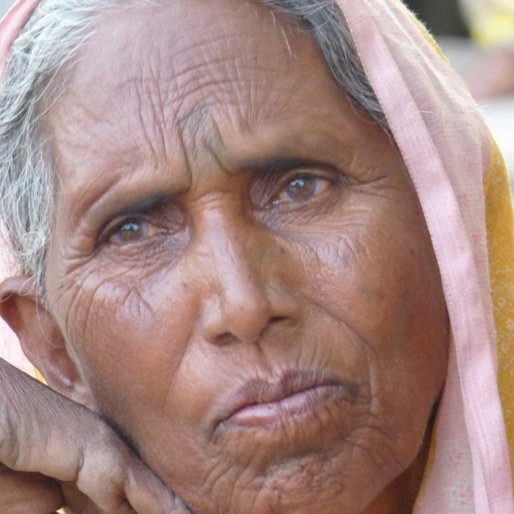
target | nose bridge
x=240, y=280
x=240, y=300
x=238, y=249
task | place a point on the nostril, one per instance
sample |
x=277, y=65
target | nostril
x=246, y=332
x=225, y=339
x=228, y=338
x=242, y=312
x=278, y=319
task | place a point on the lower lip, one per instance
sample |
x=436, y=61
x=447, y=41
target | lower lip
x=301, y=404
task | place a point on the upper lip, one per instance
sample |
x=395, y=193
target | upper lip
x=257, y=390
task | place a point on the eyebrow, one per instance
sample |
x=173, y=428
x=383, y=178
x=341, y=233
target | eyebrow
x=280, y=164
x=146, y=204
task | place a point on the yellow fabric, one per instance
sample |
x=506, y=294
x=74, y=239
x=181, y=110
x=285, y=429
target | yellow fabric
x=500, y=234
x=38, y=376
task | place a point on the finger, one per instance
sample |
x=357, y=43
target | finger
x=28, y=493
x=43, y=432
x=78, y=503
x=119, y=482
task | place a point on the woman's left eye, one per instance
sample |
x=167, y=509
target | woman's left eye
x=301, y=189
x=130, y=232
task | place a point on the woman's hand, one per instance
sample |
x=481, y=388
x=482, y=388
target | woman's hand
x=55, y=453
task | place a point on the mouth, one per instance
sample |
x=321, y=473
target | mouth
x=263, y=404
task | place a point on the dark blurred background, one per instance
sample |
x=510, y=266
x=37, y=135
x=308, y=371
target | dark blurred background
x=441, y=16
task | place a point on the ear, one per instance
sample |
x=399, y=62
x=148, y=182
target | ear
x=42, y=340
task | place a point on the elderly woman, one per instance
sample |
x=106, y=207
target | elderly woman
x=252, y=240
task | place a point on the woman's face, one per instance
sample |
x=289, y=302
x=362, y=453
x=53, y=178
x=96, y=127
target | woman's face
x=240, y=267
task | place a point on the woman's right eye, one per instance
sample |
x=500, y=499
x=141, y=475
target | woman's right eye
x=149, y=221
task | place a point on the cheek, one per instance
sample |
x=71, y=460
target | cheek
x=130, y=336
x=377, y=275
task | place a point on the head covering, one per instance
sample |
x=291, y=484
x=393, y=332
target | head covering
x=463, y=190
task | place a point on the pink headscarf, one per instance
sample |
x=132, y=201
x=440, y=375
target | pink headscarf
x=448, y=152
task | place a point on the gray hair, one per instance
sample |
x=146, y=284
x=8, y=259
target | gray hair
x=49, y=44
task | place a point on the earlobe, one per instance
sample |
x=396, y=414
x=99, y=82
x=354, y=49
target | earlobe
x=41, y=339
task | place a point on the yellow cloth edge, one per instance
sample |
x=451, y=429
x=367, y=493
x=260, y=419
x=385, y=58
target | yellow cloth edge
x=500, y=239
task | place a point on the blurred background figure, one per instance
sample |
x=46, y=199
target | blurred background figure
x=491, y=23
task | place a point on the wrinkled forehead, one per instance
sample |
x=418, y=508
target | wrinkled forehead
x=188, y=54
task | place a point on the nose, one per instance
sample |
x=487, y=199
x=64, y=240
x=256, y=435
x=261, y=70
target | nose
x=246, y=290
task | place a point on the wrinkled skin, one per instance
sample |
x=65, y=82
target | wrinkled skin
x=224, y=217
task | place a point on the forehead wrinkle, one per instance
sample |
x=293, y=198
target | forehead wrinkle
x=155, y=130
x=197, y=62
x=191, y=127
x=237, y=100
x=227, y=83
x=122, y=152
x=73, y=172
x=194, y=119
x=223, y=59
x=187, y=111
x=199, y=133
